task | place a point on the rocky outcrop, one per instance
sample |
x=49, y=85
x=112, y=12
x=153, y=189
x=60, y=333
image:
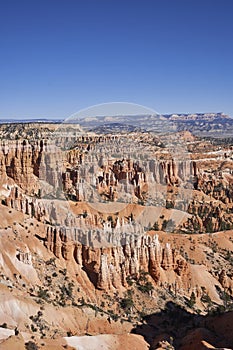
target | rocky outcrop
x=208, y=216
x=30, y=164
x=24, y=257
x=226, y=282
x=109, y=267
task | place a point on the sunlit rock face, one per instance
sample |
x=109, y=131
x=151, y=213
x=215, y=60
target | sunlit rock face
x=114, y=264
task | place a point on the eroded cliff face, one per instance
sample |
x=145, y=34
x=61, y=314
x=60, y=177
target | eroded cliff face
x=43, y=178
x=110, y=267
x=40, y=169
x=34, y=173
x=29, y=164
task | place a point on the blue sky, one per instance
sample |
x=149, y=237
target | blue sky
x=59, y=56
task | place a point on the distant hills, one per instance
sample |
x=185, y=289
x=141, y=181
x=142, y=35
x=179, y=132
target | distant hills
x=204, y=124
x=31, y=120
x=197, y=116
x=200, y=124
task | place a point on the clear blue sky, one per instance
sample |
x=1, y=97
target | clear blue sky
x=58, y=56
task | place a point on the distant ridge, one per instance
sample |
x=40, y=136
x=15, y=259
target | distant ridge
x=216, y=125
x=196, y=116
x=39, y=120
x=111, y=119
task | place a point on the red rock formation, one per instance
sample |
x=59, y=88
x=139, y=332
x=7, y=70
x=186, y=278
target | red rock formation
x=112, y=265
